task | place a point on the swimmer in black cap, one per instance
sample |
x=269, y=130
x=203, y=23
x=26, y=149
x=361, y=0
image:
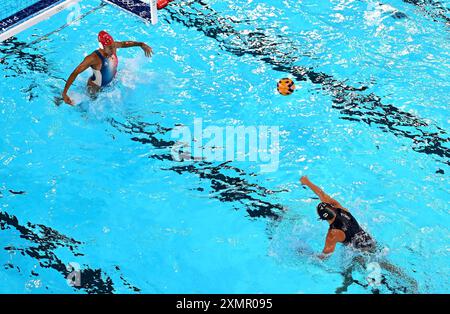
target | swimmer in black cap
x=343, y=226
x=345, y=229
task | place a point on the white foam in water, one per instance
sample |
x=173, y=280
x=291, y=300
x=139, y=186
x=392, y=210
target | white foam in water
x=295, y=241
x=78, y=98
x=107, y=102
x=133, y=71
x=137, y=78
x=376, y=13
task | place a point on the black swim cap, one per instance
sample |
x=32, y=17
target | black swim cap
x=325, y=212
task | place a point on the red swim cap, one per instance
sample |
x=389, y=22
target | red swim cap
x=105, y=39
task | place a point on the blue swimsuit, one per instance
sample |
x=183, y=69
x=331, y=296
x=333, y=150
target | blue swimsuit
x=108, y=71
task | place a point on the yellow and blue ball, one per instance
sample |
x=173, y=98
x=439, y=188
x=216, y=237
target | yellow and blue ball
x=285, y=86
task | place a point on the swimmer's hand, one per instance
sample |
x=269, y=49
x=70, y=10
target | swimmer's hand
x=323, y=256
x=147, y=49
x=304, y=180
x=67, y=99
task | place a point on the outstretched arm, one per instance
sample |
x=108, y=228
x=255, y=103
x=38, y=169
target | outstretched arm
x=87, y=62
x=320, y=193
x=127, y=44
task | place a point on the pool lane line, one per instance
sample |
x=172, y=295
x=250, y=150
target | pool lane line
x=351, y=102
x=79, y=18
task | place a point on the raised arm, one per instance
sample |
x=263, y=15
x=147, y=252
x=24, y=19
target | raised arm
x=83, y=66
x=320, y=193
x=127, y=44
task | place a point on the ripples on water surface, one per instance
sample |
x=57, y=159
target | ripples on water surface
x=96, y=184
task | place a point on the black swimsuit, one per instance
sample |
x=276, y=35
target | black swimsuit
x=354, y=234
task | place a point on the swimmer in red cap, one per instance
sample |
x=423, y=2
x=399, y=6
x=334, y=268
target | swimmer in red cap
x=103, y=63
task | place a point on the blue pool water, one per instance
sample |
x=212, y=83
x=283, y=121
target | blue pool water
x=96, y=185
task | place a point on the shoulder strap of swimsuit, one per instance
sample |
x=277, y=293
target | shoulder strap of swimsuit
x=100, y=55
x=337, y=223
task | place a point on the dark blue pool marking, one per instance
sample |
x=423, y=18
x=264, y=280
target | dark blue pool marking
x=226, y=188
x=395, y=13
x=438, y=11
x=136, y=7
x=23, y=62
x=26, y=13
x=398, y=15
x=353, y=102
x=45, y=241
x=17, y=192
x=126, y=283
x=233, y=189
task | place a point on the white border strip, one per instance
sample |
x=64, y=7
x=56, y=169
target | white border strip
x=36, y=19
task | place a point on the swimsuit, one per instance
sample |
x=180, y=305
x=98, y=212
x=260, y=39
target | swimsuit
x=354, y=234
x=107, y=72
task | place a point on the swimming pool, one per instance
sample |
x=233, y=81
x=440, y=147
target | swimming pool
x=96, y=187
